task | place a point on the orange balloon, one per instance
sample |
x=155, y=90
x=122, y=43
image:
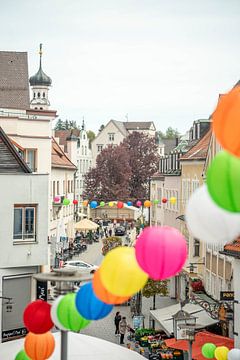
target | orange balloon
x=39, y=346
x=147, y=203
x=226, y=124
x=103, y=294
x=85, y=203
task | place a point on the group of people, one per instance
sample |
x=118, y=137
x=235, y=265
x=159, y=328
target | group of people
x=121, y=326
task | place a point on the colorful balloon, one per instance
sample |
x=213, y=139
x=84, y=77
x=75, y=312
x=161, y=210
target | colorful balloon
x=234, y=354
x=208, y=350
x=164, y=200
x=66, y=201
x=57, y=199
x=39, y=346
x=221, y=353
x=173, y=200
x=89, y=306
x=147, y=203
x=207, y=221
x=37, y=318
x=75, y=202
x=156, y=201
x=21, y=355
x=138, y=203
x=226, y=121
x=54, y=313
x=68, y=315
x=161, y=251
x=129, y=203
x=120, y=273
x=224, y=188
x=102, y=203
x=85, y=203
x=103, y=294
x=111, y=203
x=93, y=204
x=120, y=204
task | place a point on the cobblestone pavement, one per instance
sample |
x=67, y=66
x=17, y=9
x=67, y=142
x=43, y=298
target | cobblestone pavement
x=104, y=328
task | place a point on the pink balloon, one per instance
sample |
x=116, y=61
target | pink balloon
x=139, y=203
x=57, y=199
x=161, y=251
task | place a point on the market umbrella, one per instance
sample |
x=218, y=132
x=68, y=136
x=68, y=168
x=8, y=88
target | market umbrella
x=85, y=224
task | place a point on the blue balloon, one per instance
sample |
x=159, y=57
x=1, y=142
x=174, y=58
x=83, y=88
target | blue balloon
x=89, y=306
x=129, y=203
x=93, y=204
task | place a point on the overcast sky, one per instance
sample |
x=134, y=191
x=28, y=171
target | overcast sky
x=156, y=60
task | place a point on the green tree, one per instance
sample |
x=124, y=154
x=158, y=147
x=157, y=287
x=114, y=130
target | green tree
x=59, y=125
x=153, y=288
x=91, y=136
x=101, y=128
x=170, y=133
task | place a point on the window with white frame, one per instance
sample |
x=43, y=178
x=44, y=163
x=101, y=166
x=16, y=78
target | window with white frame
x=196, y=247
x=24, y=222
x=99, y=148
x=30, y=156
x=111, y=136
x=195, y=185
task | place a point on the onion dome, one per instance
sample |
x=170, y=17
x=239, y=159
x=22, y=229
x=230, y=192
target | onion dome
x=40, y=78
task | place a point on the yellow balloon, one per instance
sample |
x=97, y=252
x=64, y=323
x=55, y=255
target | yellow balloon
x=110, y=203
x=173, y=200
x=120, y=273
x=221, y=353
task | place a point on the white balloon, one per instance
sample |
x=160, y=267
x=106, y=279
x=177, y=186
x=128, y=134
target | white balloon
x=234, y=354
x=54, y=313
x=208, y=222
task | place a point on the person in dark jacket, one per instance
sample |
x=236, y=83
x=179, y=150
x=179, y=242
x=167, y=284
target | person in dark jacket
x=117, y=320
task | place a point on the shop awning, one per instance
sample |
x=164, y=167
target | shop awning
x=200, y=339
x=165, y=320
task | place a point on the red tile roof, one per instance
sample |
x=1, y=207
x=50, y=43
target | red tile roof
x=59, y=158
x=200, y=149
x=233, y=248
x=64, y=134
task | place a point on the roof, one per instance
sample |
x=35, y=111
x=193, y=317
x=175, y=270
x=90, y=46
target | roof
x=65, y=135
x=200, y=149
x=201, y=338
x=169, y=145
x=59, y=158
x=40, y=78
x=10, y=159
x=14, y=88
x=120, y=126
x=138, y=125
x=232, y=249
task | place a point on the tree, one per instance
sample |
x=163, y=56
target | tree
x=152, y=288
x=101, y=128
x=59, y=125
x=170, y=133
x=143, y=161
x=110, y=178
x=91, y=136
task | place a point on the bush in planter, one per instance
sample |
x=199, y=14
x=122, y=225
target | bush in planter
x=110, y=243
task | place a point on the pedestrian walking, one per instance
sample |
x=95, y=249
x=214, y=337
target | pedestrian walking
x=117, y=320
x=122, y=329
x=110, y=232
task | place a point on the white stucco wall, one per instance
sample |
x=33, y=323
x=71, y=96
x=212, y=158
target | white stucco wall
x=23, y=189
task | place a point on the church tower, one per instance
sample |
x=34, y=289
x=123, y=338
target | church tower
x=40, y=83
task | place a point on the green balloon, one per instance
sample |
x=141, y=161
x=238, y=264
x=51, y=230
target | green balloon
x=223, y=181
x=68, y=315
x=66, y=201
x=156, y=201
x=102, y=203
x=21, y=355
x=208, y=350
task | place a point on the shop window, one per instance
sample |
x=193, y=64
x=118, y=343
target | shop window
x=24, y=226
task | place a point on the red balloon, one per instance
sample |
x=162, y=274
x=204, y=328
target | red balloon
x=37, y=318
x=75, y=202
x=120, y=205
x=164, y=200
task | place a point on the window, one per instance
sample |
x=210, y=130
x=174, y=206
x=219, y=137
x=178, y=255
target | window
x=111, y=136
x=195, y=185
x=82, y=150
x=80, y=169
x=43, y=95
x=30, y=158
x=38, y=95
x=24, y=222
x=196, y=250
x=58, y=188
x=69, y=186
x=64, y=190
x=78, y=143
x=99, y=148
x=34, y=95
x=54, y=190
x=85, y=150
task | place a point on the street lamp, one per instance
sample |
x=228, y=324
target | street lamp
x=184, y=326
x=65, y=280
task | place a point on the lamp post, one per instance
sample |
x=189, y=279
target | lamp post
x=184, y=326
x=65, y=280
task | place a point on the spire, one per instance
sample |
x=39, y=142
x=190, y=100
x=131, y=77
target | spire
x=40, y=78
x=40, y=54
x=83, y=124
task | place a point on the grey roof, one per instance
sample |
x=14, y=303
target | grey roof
x=169, y=145
x=120, y=126
x=40, y=78
x=14, y=88
x=138, y=125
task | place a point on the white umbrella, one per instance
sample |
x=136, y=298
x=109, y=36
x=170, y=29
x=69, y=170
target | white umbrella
x=79, y=347
x=86, y=224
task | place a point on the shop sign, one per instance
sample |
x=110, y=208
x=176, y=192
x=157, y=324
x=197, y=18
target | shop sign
x=226, y=295
x=138, y=322
x=13, y=333
x=42, y=290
